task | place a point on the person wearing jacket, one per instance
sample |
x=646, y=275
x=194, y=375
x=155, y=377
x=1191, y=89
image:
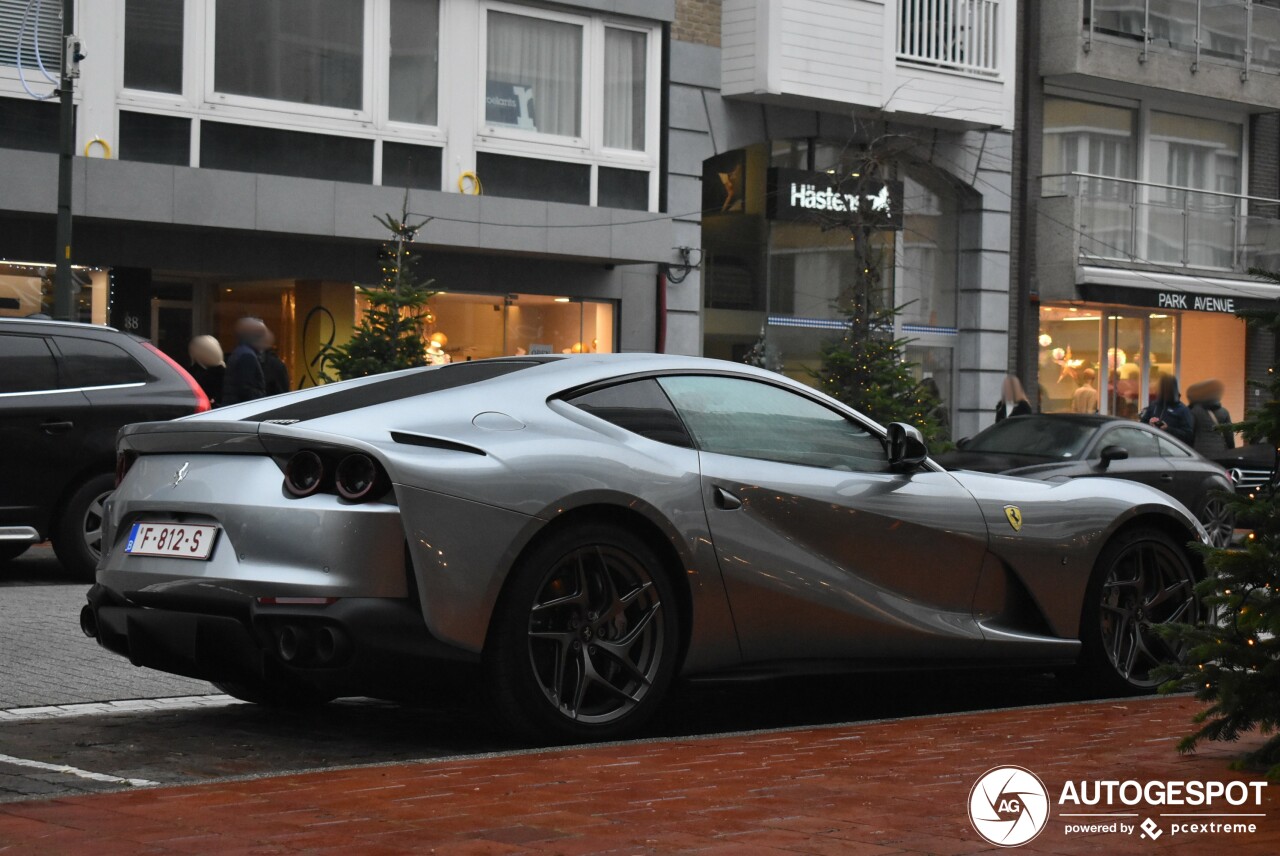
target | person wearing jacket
x=1168, y=413
x=1207, y=414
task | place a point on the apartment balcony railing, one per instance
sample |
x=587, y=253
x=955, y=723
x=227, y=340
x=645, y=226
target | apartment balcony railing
x=1169, y=226
x=962, y=35
x=1235, y=31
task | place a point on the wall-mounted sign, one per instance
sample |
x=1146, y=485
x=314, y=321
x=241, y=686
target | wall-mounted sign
x=1185, y=301
x=794, y=194
x=724, y=183
x=509, y=104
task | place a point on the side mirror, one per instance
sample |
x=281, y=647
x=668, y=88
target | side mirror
x=907, y=450
x=1113, y=453
x=962, y=442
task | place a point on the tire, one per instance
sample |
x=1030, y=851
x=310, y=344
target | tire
x=274, y=695
x=12, y=550
x=77, y=538
x=1217, y=519
x=585, y=637
x=1143, y=578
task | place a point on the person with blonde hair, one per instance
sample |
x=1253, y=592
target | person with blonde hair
x=207, y=366
x=1013, y=399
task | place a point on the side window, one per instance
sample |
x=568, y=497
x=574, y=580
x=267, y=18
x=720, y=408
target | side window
x=1170, y=450
x=638, y=406
x=733, y=416
x=1139, y=443
x=91, y=362
x=26, y=364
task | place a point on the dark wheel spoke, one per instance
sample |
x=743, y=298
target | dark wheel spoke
x=618, y=654
x=639, y=626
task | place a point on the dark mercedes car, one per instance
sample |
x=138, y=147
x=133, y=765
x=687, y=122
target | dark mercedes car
x=65, y=390
x=1067, y=446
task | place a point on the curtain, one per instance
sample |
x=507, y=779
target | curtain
x=534, y=77
x=625, y=58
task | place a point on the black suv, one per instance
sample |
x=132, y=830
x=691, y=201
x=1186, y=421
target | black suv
x=65, y=390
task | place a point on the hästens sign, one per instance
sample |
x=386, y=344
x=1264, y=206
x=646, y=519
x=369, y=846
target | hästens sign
x=798, y=195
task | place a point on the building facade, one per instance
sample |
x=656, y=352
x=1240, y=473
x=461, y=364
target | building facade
x=779, y=106
x=1147, y=189
x=232, y=156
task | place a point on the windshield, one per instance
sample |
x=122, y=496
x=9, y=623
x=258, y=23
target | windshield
x=1032, y=435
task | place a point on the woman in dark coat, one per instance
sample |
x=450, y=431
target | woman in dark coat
x=1168, y=413
x=207, y=366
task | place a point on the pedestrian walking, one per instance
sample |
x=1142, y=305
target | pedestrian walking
x=244, y=380
x=1168, y=413
x=275, y=373
x=1013, y=399
x=1207, y=415
x=208, y=367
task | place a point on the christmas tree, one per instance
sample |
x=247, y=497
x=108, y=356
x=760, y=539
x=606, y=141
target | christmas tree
x=391, y=333
x=866, y=367
x=1232, y=658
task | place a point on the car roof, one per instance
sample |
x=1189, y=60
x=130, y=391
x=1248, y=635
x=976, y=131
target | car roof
x=54, y=325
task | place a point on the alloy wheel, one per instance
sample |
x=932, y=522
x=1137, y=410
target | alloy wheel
x=596, y=635
x=1148, y=585
x=91, y=526
x=1218, y=521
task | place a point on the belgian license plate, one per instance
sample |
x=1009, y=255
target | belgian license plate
x=174, y=540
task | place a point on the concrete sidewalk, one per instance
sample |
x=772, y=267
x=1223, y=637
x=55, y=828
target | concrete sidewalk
x=899, y=786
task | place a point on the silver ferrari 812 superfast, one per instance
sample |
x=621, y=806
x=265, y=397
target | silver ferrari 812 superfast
x=588, y=528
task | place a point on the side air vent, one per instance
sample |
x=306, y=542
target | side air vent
x=410, y=439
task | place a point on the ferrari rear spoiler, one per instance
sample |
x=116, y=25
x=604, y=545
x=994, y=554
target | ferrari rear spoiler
x=203, y=436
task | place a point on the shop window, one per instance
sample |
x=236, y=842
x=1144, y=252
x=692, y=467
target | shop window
x=249, y=148
x=29, y=125
x=411, y=166
x=625, y=60
x=926, y=284
x=155, y=139
x=50, y=24
x=300, y=51
x=524, y=178
x=413, y=80
x=152, y=45
x=533, y=78
x=623, y=188
x=477, y=326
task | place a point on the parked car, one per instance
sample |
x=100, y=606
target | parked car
x=1251, y=466
x=1069, y=446
x=588, y=527
x=65, y=391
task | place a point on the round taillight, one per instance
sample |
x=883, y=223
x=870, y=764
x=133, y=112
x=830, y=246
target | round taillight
x=304, y=473
x=357, y=476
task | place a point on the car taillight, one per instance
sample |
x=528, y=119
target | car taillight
x=202, y=400
x=304, y=473
x=358, y=477
x=124, y=462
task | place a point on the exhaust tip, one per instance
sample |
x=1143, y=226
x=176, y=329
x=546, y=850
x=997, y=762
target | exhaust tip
x=88, y=621
x=331, y=644
x=294, y=643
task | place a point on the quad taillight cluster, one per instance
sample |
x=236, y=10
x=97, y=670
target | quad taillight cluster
x=355, y=476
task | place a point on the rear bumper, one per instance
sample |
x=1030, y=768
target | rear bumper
x=353, y=646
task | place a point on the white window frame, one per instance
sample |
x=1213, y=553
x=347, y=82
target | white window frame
x=395, y=130
x=215, y=98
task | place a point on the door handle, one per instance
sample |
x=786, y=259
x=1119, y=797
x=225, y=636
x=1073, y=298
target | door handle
x=726, y=500
x=56, y=427
x=1166, y=477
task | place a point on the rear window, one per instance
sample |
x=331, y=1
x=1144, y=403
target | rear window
x=93, y=362
x=28, y=364
x=637, y=406
x=394, y=389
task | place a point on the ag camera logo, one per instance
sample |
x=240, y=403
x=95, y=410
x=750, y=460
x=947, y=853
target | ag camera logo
x=1008, y=806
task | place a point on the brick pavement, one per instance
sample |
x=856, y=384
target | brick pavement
x=898, y=786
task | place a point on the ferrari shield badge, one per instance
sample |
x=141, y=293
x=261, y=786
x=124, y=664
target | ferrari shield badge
x=1014, y=516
